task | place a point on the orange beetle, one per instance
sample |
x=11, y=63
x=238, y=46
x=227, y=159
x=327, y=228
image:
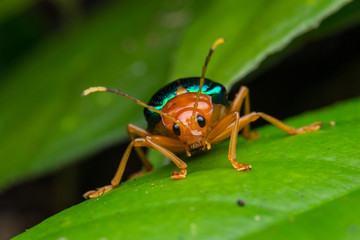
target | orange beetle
x=189, y=115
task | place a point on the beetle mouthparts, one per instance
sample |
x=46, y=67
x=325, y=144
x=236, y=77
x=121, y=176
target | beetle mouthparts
x=195, y=146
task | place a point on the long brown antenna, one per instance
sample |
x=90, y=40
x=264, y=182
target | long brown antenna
x=106, y=89
x=202, y=79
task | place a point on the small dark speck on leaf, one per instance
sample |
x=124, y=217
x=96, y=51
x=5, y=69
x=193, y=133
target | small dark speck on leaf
x=117, y=212
x=240, y=202
x=352, y=229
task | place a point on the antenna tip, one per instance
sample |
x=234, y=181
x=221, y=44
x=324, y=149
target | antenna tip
x=217, y=43
x=93, y=89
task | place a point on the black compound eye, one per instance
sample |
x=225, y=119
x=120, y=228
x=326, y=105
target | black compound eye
x=176, y=129
x=201, y=121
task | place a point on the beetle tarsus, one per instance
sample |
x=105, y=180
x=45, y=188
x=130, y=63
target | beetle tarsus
x=179, y=174
x=310, y=128
x=241, y=166
x=98, y=192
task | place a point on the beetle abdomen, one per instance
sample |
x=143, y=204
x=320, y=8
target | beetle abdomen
x=215, y=90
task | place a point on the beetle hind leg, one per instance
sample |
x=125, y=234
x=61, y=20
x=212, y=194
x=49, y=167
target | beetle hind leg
x=97, y=192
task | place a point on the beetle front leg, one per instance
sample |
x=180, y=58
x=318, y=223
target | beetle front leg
x=117, y=178
x=166, y=145
x=232, y=148
x=150, y=142
x=229, y=126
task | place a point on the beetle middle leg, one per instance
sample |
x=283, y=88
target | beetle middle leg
x=243, y=96
x=159, y=143
x=229, y=126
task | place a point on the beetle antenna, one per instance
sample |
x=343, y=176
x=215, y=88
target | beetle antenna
x=202, y=79
x=106, y=89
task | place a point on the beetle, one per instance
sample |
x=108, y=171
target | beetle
x=190, y=115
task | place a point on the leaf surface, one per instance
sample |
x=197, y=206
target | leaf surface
x=292, y=176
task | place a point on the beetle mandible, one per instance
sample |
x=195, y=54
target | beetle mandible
x=188, y=115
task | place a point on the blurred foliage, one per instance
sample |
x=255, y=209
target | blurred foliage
x=290, y=175
x=11, y=8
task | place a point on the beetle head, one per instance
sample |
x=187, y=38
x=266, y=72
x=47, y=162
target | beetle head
x=191, y=131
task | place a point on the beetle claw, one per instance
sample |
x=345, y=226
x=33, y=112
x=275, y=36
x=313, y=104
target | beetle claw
x=97, y=192
x=241, y=166
x=312, y=127
x=179, y=174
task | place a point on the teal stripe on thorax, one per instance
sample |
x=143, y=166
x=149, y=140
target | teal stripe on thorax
x=205, y=90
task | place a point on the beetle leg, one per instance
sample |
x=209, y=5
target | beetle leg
x=132, y=130
x=117, y=178
x=243, y=97
x=239, y=99
x=229, y=126
x=167, y=146
x=288, y=129
x=151, y=142
x=224, y=128
x=223, y=131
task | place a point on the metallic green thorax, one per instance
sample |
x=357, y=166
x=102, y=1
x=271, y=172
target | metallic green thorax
x=215, y=90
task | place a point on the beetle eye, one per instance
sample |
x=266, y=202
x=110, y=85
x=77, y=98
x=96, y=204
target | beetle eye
x=176, y=129
x=201, y=121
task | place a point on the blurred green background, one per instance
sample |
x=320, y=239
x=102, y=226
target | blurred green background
x=55, y=145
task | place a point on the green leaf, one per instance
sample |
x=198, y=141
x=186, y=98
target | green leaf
x=130, y=46
x=253, y=30
x=291, y=176
x=337, y=215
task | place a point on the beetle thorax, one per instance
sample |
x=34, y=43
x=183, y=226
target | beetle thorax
x=193, y=129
